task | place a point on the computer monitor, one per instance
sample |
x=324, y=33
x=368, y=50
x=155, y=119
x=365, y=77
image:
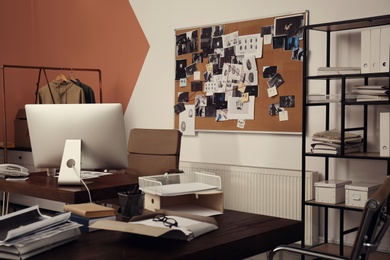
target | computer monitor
x=75, y=137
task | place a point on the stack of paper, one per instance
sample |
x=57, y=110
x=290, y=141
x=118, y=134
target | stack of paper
x=329, y=142
x=187, y=226
x=371, y=93
x=27, y=232
x=332, y=148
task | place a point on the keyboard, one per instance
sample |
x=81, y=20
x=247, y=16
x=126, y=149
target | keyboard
x=92, y=174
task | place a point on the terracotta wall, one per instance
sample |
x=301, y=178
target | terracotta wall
x=101, y=34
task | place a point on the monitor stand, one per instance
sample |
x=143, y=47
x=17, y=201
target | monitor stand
x=70, y=170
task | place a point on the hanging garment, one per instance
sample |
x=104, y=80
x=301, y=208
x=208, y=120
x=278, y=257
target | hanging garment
x=88, y=91
x=61, y=92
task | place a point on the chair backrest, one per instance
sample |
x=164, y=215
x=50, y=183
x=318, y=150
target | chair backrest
x=374, y=223
x=153, y=151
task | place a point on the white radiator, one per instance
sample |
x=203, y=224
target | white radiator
x=267, y=191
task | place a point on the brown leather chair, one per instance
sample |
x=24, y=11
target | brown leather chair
x=153, y=151
x=373, y=226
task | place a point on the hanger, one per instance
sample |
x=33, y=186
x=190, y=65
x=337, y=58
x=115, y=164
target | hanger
x=71, y=75
x=61, y=77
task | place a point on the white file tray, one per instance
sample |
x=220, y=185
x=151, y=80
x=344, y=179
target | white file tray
x=180, y=183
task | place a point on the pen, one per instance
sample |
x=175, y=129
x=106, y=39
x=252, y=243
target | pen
x=135, y=190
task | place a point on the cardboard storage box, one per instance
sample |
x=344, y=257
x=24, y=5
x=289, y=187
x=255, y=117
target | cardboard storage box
x=207, y=203
x=22, y=136
x=356, y=194
x=330, y=191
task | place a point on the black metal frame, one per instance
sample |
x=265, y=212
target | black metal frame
x=328, y=29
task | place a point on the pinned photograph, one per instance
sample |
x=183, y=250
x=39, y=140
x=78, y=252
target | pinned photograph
x=197, y=58
x=217, y=30
x=273, y=109
x=269, y=71
x=278, y=42
x=252, y=90
x=267, y=32
x=191, y=69
x=220, y=101
x=196, y=86
x=180, y=69
x=275, y=81
x=250, y=45
x=250, y=78
x=291, y=26
x=187, y=120
x=183, y=97
x=205, y=41
x=249, y=63
x=210, y=111
x=241, y=110
x=297, y=54
x=291, y=43
x=202, y=106
x=229, y=40
x=287, y=101
x=179, y=107
x=221, y=115
x=187, y=42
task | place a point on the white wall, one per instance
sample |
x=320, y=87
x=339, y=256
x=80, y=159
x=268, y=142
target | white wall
x=152, y=102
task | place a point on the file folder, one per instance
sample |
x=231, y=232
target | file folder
x=384, y=135
x=384, y=49
x=365, y=51
x=375, y=49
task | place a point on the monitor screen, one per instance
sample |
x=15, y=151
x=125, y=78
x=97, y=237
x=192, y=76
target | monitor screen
x=99, y=127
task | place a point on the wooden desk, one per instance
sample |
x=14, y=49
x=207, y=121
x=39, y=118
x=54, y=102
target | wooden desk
x=39, y=185
x=240, y=235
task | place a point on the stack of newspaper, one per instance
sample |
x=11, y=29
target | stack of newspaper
x=27, y=232
x=329, y=142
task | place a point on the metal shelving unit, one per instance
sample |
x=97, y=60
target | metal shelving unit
x=342, y=80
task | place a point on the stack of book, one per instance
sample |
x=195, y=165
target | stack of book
x=371, y=93
x=88, y=213
x=329, y=142
x=27, y=232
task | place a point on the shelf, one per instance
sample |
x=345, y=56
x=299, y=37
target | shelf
x=360, y=155
x=350, y=103
x=351, y=76
x=334, y=206
x=334, y=110
x=351, y=24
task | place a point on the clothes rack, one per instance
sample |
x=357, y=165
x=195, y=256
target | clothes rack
x=4, y=107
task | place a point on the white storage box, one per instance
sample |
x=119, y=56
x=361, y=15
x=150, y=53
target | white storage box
x=330, y=191
x=356, y=194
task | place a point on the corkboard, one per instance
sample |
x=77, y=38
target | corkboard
x=289, y=67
